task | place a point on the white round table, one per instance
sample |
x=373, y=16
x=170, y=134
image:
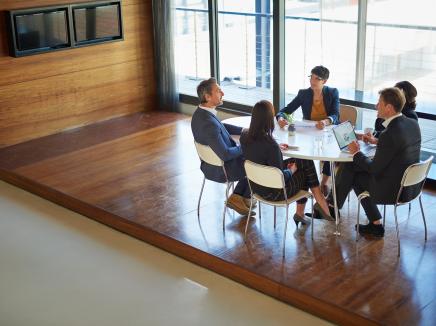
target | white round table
x=310, y=144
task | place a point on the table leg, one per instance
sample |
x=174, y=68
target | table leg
x=332, y=172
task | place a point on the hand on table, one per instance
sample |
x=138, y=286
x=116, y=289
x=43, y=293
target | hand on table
x=282, y=122
x=283, y=147
x=321, y=124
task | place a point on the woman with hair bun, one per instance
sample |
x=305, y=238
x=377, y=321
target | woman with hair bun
x=409, y=107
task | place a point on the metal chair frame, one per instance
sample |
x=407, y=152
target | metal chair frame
x=418, y=173
x=276, y=180
x=206, y=154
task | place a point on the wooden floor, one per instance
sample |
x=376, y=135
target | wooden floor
x=140, y=174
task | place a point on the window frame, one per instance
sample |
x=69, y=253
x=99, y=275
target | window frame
x=359, y=98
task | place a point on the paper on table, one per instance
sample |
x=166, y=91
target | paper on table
x=305, y=123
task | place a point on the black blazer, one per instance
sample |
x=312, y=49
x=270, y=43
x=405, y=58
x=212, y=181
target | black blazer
x=208, y=130
x=398, y=146
x=265, y=152
x=304, y=99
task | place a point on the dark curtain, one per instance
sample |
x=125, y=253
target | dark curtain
x=168, y=97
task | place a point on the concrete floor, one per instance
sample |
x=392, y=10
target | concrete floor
x=60, y=268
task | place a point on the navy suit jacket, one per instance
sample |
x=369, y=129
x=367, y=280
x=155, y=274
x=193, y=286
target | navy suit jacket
x=304, y=99
x=209, y=130
x=398, y=147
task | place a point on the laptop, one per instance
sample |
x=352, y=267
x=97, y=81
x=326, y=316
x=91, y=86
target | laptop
x=344, y=134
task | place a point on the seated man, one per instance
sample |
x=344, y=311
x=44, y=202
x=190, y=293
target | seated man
x=208, y=130
x=398, y=147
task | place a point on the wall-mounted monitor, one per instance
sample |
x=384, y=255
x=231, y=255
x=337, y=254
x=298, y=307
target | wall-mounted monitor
x=97, y=22
x=38, y=30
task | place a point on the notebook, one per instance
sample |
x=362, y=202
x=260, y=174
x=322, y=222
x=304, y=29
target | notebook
x=344, y=134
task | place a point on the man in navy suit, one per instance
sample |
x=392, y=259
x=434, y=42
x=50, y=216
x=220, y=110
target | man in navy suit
x=209, y=130
x=398, y=146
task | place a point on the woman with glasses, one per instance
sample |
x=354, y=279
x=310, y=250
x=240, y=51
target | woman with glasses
x=259, y=146
x=319, y=103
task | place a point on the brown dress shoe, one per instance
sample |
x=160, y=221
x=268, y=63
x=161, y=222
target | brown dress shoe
x=237, y=203
x=247, y=202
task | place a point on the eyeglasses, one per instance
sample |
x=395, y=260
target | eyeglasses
x=315, y=77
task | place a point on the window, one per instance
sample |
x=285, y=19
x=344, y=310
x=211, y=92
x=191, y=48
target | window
x=191, y=44
x=401, y=45
x=245, y=50
x=320, y=32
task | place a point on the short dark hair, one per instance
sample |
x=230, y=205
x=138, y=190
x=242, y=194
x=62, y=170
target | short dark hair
x=321, y=72
x=393, y=96
x=410, y=93
x=262, y=122
x=205, y=87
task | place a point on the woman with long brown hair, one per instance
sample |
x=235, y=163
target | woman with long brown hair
x=259, y=146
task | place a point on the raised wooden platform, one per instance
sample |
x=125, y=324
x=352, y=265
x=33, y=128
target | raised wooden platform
x=140, y=174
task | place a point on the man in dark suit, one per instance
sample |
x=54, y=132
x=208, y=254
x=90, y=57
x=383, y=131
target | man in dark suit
x=398, y=146
x=208, y=130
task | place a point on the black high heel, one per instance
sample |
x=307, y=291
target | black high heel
x=300, y=219
x=317, y=210
x=317, y=215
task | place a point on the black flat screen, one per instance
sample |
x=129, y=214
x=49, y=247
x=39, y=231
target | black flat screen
x=97, y=23
x=41, y=30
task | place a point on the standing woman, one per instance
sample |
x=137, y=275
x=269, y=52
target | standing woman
x=259, y=146
x=319, y=103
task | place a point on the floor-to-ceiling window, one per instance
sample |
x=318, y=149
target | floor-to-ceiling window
x=245, y=50
x=401, y=45
x=191, y=42
x=320, y=32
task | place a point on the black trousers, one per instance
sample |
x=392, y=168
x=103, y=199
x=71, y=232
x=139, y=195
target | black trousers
x=242, y=188
x=326, y=169
x=350, y=177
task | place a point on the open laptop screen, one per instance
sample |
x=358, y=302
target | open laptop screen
x=344, y=134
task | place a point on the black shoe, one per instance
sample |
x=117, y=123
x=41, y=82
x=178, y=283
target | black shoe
x=332, y=211
x=319, y=213
x=318, y=216
x=315, y=215
x=376, y=230
x=300, y=219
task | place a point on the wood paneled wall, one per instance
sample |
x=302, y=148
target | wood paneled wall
x=46, y=93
